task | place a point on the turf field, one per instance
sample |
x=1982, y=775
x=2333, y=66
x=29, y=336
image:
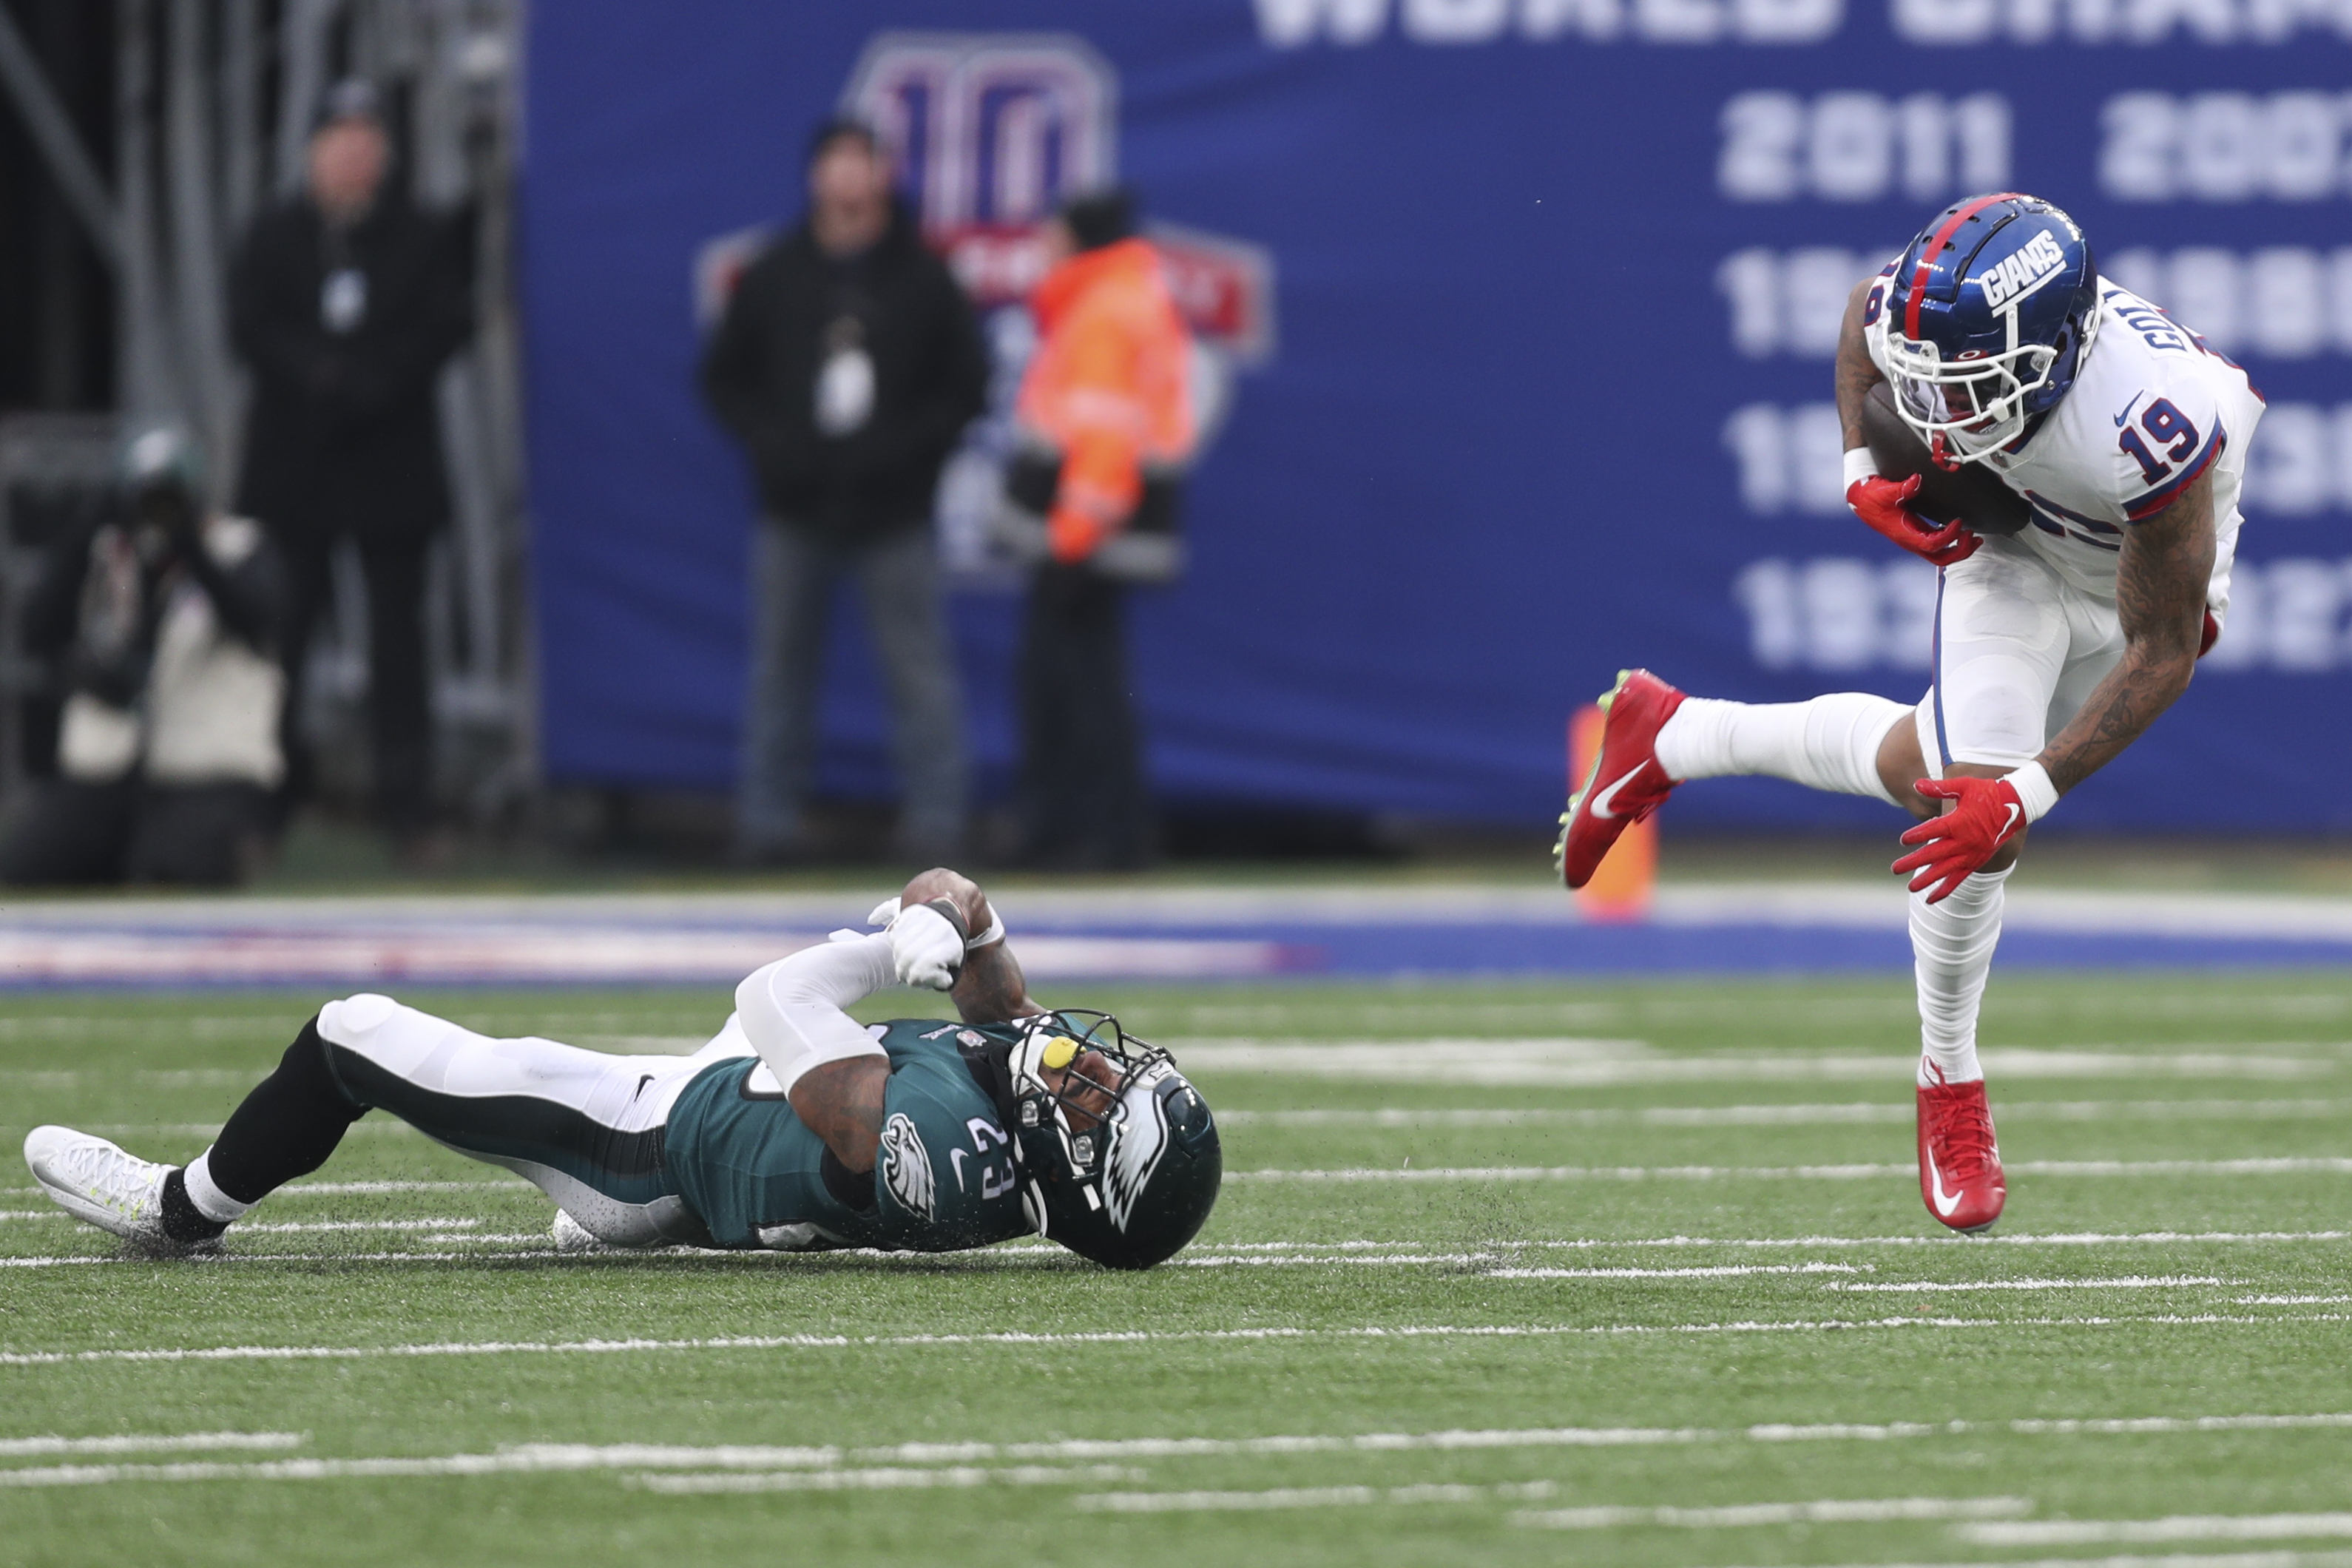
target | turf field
x=1501, y=1274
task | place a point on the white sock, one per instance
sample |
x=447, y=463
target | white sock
x=1951, y=948
x=210, y=1201
x=1828, y=744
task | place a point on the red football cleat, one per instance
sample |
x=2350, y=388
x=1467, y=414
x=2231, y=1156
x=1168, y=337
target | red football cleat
x=1626, y=783
x=1959, y=1156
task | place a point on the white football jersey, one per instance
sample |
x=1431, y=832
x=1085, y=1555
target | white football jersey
x=2151, y=408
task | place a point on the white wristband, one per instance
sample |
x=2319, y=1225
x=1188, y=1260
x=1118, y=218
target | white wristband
x=1860, y=466
x=888, y=910
x=2034, y=790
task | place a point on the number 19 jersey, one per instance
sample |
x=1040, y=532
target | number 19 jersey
x=2151, y=409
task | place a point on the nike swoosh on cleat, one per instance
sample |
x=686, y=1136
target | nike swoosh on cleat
x=1601, y=803
x=1944, y=1206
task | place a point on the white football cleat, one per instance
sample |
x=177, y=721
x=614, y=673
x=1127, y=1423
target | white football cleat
x=571, y=1236
x=100, y=1183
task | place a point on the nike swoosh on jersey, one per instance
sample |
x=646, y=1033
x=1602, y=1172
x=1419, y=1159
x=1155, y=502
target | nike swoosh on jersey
x=1944, y=1206
x=1602, y=801
x=2128, y=407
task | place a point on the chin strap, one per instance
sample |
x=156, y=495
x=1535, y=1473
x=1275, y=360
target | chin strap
x=1940, y=453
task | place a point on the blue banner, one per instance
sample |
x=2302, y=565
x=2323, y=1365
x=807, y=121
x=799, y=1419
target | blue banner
x=1519, y=314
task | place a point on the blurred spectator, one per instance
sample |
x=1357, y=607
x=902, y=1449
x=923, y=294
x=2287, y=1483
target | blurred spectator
x=847, y=362
x=346, y=303
x=165, y=619
x=1105, y=427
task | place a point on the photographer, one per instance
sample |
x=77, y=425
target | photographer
x=163, y=620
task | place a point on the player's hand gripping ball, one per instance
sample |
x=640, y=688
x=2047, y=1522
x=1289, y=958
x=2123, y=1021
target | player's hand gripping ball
x=1887, y=507
x=1989, y=814
x=926, y=947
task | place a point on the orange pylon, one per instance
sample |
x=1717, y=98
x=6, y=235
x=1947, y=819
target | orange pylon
x=1628, y=874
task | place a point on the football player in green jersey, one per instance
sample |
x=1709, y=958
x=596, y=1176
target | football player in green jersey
x=796, y=1129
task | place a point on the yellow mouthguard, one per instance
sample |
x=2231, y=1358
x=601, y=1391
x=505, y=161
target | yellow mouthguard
x=1060, y=1052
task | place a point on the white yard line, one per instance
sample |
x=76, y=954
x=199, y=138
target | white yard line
x=1720, y=1271
x=2327, y=1165
x=2173, y=1560
x=225, y=1260
x=183, y=1442
x=534, y=1460
x=2067, y=1426
x=2144, y=1532
x=1287, y=1260
x=1739, y=1516
x=768, y=1460
x=2069, y=1238
x=360, y=1189
x=295, y=1227
x=2124, y=1282
x=1861, y=1112
x=883, y=1480
x=1230, y=1254
x=1305, y=1496
x=1402, y=1333
x=2288, y=1301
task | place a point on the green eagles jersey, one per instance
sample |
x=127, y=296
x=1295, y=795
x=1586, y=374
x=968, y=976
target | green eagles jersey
x=943, y=1180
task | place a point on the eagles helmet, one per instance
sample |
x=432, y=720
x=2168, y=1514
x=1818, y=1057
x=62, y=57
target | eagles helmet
x=1987, y=319
x=1126, y=1187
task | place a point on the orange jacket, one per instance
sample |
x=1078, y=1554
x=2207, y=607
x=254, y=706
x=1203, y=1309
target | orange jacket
x=1107, y=387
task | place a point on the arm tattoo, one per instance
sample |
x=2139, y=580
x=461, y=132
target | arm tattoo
x=991, y=989
x=2160, y=586
x=1856, y=373
x=840, y=1102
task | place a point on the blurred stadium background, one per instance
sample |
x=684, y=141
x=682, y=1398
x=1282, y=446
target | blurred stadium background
x=1514, y=324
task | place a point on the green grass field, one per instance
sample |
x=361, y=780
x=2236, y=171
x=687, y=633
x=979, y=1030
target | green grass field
x=1643, y=1278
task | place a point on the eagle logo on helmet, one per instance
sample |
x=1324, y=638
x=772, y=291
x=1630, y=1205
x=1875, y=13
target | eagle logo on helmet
x=1139, y=1137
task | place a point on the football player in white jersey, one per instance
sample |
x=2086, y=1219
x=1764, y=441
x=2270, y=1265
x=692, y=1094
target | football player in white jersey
x=2071, y=458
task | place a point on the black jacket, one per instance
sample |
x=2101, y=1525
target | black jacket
x=344, y=432
x=931, y=377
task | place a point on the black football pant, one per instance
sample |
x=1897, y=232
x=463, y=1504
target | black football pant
x=400, y=715
x=586, y=1128
x=1083, y=800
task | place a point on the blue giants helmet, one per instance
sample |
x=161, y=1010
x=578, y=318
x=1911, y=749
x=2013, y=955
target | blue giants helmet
x=1987, y=319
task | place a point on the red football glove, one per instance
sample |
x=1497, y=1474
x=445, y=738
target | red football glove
x=1989, y=814
x=1884, y=504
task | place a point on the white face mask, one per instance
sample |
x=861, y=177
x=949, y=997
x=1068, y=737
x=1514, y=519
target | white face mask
x=342, y=300
x=845, y=385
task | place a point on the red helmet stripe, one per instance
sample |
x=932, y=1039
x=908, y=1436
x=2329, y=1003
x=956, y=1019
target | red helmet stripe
x=1942, y=238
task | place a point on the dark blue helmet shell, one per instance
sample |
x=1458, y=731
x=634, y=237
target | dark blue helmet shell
x=1988, y=315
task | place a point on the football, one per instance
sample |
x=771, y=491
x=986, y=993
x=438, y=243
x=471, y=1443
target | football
x=1974, y=493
